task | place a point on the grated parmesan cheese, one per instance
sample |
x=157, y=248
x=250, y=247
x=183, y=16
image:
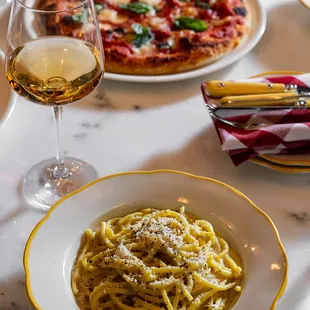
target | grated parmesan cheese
x=105, y=26
x=112, y=16
x=158, y=23
x=145, y=50
x=159, y=251
x=118, y=2
x=152, y=2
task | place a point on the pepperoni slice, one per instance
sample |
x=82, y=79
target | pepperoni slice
x=223, y=9
x=161, y=34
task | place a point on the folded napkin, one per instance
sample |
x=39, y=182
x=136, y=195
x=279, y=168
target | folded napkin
x=288, y=131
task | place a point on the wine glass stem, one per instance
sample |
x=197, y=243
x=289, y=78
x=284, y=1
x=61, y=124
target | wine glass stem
x=60, y=171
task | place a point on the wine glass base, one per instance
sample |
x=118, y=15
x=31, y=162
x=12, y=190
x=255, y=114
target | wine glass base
x=42, y=190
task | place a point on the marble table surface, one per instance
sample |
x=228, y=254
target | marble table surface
x=142, y=127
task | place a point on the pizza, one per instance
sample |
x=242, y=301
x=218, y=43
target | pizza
x=153, y=37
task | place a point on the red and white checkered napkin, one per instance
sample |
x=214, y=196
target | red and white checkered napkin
x=288, y=132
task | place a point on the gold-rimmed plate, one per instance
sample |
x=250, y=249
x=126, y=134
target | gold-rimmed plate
x=257, y=28
x=302, y=160
x=48, y=268
x=280, y=167
x=284, y=163
x=305, y=3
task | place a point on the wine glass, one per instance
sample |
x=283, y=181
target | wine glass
x=53, y=58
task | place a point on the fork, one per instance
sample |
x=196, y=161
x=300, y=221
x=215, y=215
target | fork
x=245, y=126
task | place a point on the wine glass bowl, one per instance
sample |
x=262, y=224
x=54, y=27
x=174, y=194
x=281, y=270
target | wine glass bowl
x=54, y=63
x=45, y=71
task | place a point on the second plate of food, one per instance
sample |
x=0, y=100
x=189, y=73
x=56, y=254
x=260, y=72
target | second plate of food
x=256, y=24
x=155, y=240
x=284, y=163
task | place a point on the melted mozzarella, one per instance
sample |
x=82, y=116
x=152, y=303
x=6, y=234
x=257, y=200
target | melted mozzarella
x=112, y=16
x=117, y=2
x=105, y=26
x=172, y=42
x=87, y=27
x=158, y=23
x=152, y=2
x=144, y=50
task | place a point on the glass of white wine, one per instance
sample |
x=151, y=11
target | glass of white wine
x=53, y=59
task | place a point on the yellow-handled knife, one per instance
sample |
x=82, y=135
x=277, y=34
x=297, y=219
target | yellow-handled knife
x=220, y=89
x=277, y=99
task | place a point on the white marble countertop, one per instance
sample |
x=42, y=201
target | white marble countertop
x=142, y=127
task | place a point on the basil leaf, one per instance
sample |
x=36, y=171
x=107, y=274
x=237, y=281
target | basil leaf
x=143, y=35
x=137, y=7
x=190, y=23
x=203, y=5
x=80, y=18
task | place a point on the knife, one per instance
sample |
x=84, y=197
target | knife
x=265, y=100
x=219, y=89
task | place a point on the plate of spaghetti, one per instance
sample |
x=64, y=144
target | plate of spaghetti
x=157, y=240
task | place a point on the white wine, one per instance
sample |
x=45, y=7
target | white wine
x=54, y=70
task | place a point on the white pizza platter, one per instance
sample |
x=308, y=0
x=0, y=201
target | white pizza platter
x=257, y=29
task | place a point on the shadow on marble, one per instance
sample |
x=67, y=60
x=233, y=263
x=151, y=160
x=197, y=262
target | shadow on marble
x=13, y=294
x=194, y=157
x=203, y=156
x=18, y=211
x=138, y=96
x=285, y=44
x=11, y=216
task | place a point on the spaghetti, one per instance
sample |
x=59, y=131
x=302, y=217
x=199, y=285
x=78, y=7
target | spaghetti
x=155, y=259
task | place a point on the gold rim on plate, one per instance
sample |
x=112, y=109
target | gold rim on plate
x=285, y=160
x=278, y=167
x=200, y=178
x=305, y=3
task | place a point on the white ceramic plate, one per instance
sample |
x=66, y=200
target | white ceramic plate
x=257, y=29
x=53, y=244
x=258, y=25
x=284, y=163
x=272, y=162
x=302, y=160
x=306, y=3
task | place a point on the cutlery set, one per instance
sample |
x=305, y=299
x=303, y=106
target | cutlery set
x=242, y=98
